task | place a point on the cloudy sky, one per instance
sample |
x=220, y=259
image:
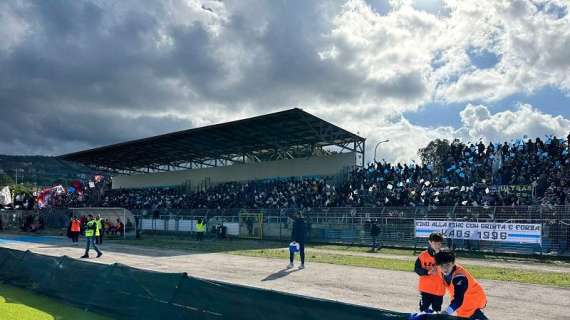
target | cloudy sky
x=80, y=74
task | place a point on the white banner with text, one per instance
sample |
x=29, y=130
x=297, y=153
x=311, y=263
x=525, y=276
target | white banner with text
x=488, y=231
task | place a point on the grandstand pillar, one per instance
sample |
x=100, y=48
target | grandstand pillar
x=363, y=153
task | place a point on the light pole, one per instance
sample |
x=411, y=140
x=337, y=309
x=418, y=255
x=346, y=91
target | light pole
x=21, y=176
x=376, y=148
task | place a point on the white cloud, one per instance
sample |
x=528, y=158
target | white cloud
x=392, y=52
x=532, y=44
x=14, y=26
x=478, y=123
x=530, y=39
x=376, y=125
x=190, y=62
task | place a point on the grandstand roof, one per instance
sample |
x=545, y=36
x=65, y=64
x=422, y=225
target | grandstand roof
x=272, y=135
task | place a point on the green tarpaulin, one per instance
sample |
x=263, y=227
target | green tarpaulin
x=128, y=293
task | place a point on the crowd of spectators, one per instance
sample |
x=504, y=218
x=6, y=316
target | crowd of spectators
x=288, y=193
x=517, y=173
x=521, y=172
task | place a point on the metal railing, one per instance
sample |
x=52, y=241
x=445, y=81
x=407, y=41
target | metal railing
x=352, y=225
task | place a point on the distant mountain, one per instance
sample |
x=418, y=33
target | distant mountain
x=41, y=170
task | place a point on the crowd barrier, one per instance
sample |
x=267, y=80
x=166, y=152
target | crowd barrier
x=397, y=224
x=123, y=292
x=352, y=225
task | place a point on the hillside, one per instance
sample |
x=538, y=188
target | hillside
x=40, y=170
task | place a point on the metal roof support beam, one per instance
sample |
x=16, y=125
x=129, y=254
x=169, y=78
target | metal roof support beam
x=202, y=163
x=286, y=135
x=346, y=146
x=360, y=148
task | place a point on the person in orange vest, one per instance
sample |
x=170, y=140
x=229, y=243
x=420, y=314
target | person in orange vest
x=468, y=298
x=431, y=285
x=75, y=229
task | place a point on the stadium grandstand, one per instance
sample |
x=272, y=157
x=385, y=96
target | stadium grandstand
x=293, y=161
x=289, y=134
x=282, y=144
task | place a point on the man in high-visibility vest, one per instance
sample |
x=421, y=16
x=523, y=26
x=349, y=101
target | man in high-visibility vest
x=90, y=229
x=468, y=298
x=200, y=229
x=99, y=231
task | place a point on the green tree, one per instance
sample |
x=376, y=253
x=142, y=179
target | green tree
x=435, y=153
x=22, y=188
x=5, y=180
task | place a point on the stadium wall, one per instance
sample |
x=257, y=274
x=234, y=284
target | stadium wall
x=315, y=166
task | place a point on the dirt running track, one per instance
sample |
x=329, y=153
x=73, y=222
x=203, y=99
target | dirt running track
x=393, y=290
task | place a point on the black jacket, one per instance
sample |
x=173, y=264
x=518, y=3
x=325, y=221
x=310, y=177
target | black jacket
x=299, y=230
x=374, y=230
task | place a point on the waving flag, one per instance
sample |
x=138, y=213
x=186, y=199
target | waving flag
x=43, y=197
x=78, y=186
x=58, y=189
x=5, y=196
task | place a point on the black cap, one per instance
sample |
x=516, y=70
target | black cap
x=436, y=237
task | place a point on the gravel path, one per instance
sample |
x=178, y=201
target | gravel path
x=393, y=290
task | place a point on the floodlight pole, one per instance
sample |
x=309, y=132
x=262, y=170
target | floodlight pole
x=376, y=148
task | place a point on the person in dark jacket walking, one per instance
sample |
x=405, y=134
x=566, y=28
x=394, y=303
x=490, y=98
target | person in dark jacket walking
x=298, y=235
x=374, y=233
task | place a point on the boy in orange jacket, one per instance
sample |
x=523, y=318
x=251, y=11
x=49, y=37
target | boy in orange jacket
x=468, y=298
x=431, y=284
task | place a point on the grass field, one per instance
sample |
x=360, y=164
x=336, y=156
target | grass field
x=480, y=272
x=19, y=304
x=349, y=256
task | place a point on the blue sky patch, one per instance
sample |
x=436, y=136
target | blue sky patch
x=483, y=59
x=549, y=100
